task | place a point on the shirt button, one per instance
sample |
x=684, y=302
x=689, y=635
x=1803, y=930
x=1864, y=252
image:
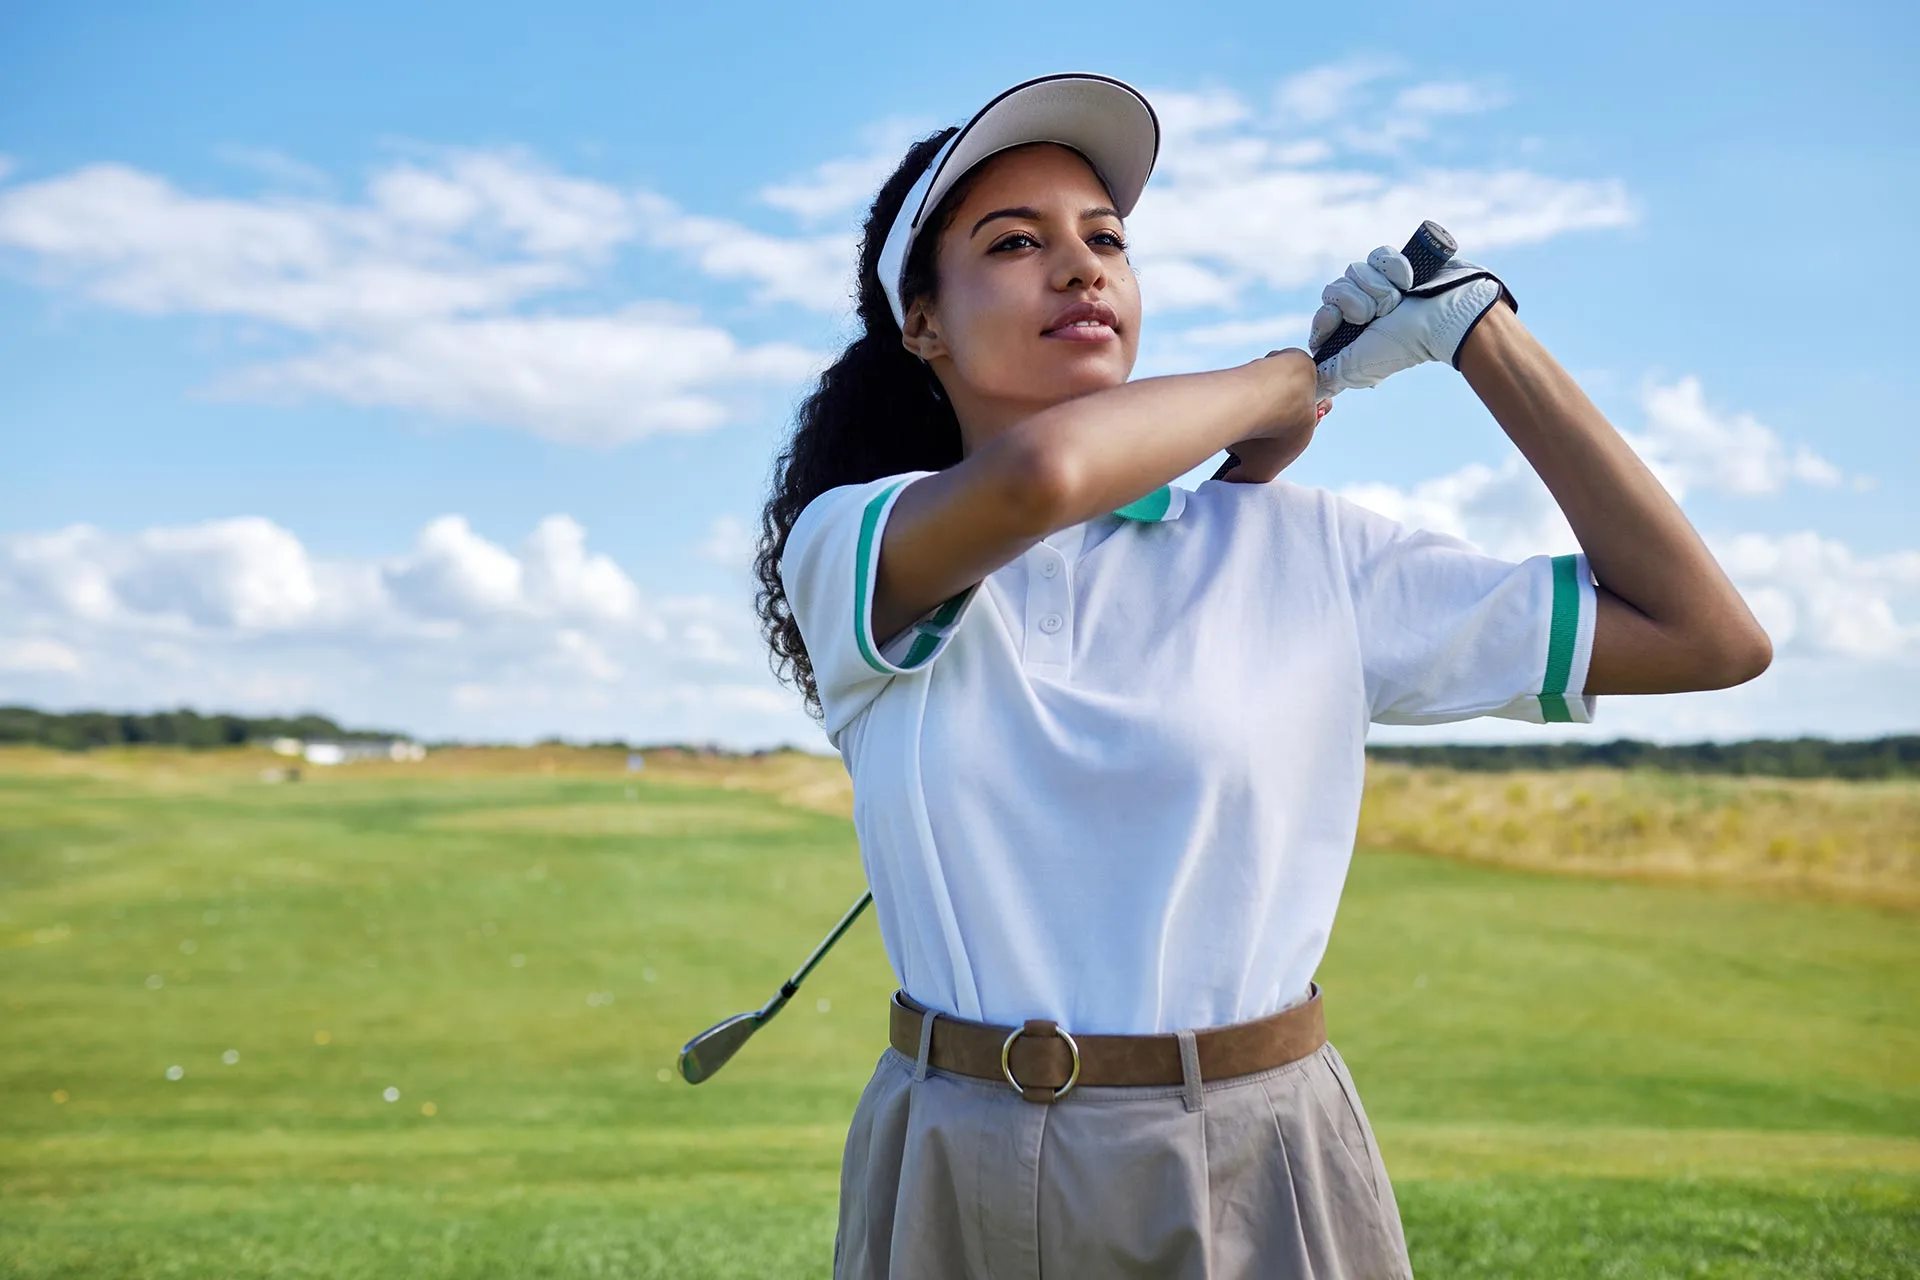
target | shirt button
x=1049, y=567
x=1052, y=623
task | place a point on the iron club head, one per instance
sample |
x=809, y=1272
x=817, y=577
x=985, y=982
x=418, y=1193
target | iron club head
x=709, y=1051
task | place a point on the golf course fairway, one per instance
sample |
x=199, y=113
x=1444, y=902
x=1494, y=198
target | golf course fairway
x=419, y=1022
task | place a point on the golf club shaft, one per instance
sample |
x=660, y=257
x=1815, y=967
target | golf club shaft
x=846, y=922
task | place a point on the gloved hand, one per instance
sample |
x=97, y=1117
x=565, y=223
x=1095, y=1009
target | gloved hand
x=1409, y=326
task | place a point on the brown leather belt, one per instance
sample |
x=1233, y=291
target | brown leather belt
x=1042, y=1061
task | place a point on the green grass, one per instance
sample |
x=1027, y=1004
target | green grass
x=1570, y=1077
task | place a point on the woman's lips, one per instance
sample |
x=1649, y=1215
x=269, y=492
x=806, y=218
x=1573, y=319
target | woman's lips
x=1081, y=332
x=1087, y=331
x=1089, y=320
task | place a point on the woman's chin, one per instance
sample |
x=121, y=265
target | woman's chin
x=1089, y=367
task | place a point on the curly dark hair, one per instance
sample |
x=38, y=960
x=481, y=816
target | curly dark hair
x=876, y=412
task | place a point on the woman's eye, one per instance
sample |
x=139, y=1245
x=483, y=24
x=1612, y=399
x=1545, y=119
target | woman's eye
x=1014, y=239
x=1113, y=238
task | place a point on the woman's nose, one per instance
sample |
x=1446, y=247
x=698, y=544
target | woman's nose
x=1078, y=265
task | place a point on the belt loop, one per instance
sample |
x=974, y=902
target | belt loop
x=1190, y=1070
x=926, y=1045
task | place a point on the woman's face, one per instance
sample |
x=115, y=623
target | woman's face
x=1037, y=301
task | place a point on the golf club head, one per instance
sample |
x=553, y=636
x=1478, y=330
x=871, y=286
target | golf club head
x=709, y=1051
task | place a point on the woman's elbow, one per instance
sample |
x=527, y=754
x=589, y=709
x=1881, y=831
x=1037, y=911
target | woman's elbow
x=1039, y=484
x=1754, y=656
x=1734, y=656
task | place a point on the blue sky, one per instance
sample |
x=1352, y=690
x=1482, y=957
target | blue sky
x=425, y=368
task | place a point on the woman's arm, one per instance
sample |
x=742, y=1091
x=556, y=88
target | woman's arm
x=1669, y=620
x=1076, y=460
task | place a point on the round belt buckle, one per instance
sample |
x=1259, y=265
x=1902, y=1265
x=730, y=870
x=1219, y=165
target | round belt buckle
x=1006, y=1062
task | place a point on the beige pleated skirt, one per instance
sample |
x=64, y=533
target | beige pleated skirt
x=1274, y=1174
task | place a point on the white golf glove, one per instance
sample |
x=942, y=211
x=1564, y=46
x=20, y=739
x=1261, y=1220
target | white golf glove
x=1408, y=326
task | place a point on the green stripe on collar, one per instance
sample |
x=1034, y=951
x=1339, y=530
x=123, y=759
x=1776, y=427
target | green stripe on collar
x=1156, y=506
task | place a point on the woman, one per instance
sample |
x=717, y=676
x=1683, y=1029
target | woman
x=1106, y=735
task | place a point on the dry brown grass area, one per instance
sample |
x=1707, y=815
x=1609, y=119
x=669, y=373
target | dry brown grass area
x=1848, y=839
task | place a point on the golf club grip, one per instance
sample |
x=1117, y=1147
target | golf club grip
x=1428, y=251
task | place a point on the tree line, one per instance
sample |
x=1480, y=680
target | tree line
x=85, y=730
x=1893, y=757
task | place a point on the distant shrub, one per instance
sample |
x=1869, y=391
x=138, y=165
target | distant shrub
x=1879, y=758
x=85, y=730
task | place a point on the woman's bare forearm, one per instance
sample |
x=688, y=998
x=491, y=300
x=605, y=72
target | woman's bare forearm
x=1069, y=463
x=1103, y=450
x=1669, y=617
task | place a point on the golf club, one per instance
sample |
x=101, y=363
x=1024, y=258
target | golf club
x=709, y=1051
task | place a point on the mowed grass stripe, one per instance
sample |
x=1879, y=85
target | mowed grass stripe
x=450, y=1154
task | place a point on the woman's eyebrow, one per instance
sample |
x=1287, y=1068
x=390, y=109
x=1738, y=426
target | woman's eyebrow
x=1032, y=214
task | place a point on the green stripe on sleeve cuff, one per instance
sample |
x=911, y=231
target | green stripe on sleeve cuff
x=1562, y=633
x=934, y=629
x=863, y=566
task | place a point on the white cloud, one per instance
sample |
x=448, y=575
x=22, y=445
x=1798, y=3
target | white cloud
x=847, y=184
x=132, y=240
x=1814, y=595
x=28, y=654
x=1508, y=511
x=1690, y=445
x=1286, y=226
x=809, y=271
x=418, y=296
x=1446, y=98
x=564, y=579
x=276, y=167
x=1241, y=199
x=1176, y=284
x=597, y=380
x=729, y=541
x=1411, y=115
x=582, y=653
x=506, y=199
x=1217, y=345
x=1327, y=92
x=456, y=634
x=435, y=289
x=456, y=574
x=244, y=574
x=1505, y=510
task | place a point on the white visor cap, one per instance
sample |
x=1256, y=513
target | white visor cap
x=1106, y=120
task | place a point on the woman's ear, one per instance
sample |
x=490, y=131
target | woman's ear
x=918, y=335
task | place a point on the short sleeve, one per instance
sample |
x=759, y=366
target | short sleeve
x=1449, y=633
x=828, y=570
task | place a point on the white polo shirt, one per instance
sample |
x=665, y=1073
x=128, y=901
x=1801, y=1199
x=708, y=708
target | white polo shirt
x=1116, y=784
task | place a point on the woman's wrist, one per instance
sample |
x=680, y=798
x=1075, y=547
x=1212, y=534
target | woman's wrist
x=1292, y=398
x=1488, y=341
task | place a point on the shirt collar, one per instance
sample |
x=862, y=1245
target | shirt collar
x=1164, y=503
